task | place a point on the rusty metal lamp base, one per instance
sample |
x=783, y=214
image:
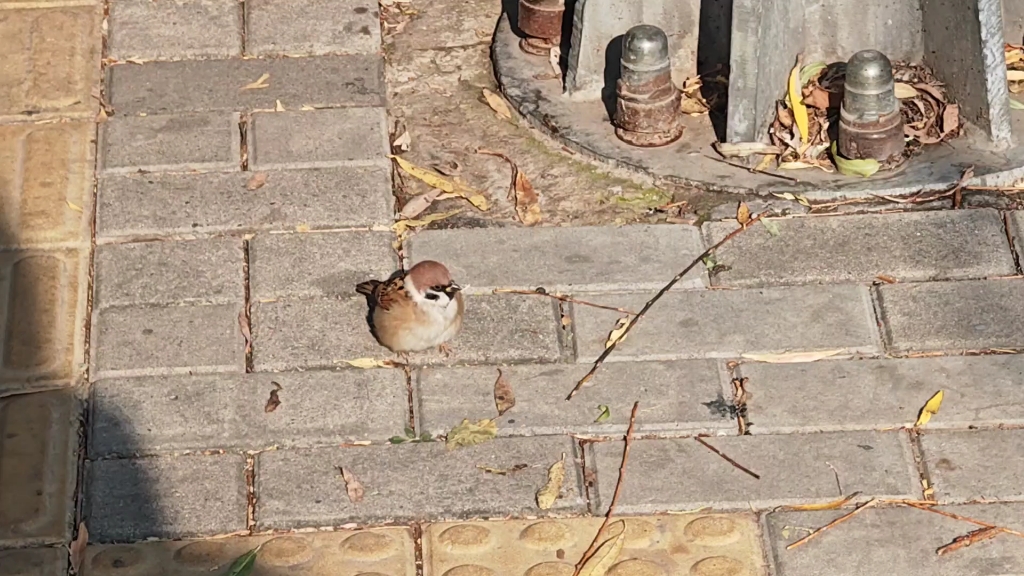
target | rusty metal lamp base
x=650, y=139
x=538, y=46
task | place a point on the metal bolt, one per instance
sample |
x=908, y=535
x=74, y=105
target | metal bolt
x=870, y=122
x=647, y=107
x=541, y=21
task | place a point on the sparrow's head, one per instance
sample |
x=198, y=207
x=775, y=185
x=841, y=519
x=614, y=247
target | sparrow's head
x=430, y=283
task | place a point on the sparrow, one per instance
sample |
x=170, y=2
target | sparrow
x=417, y=310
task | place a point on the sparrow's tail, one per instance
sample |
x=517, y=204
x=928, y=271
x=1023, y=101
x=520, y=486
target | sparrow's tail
x=367, y=287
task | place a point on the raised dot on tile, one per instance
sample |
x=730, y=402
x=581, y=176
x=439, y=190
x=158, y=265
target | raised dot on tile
x=718, y=566
x=465, y=538
x=285, y=551
x=469, y=570
x=550, y=569
x=546, y=534
x=202, y=555
x=127, y=560
x=637, y=567
x=713, y=531
x=639, y=533
x=368, y=546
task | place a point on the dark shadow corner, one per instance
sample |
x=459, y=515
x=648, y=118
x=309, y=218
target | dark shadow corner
x=612, y=72
x=714, y=39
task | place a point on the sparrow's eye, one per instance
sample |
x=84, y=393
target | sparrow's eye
x=431, y=296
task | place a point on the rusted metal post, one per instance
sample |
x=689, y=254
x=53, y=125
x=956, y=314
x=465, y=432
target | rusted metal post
x=647, y=107
x=541, y=21
x=870, y=122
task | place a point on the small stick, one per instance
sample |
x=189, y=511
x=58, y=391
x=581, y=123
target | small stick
x=968, y=539
x=1006, y=189
x=927, y=508
x=958, y=188
x=726, y=458
x=753, y=170
x=615, y=495
x=607, y=351
x=561, y=298
x=832, y=524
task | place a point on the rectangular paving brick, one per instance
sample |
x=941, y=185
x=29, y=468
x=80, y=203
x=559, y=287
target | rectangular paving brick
x=34, y=562
x=909, y=246
x=1016, y=222
x=172, y=497
x=684, y=395
x=146, y=30
x=200, y=85
x=132, y=205
x=975, y=465
x=164, y=413
x=179, y=142
x=46, y=183
x=865, y=394
x=51, y=61
x=291, y=334
x=304, y=27
x=38, y=468
x=896, y=541
x=975, y=314
x=297, y=488
x=172, y=339
x=318, y=264
x=318, y=138
x=726, y=323
x=43, y=317
x=564, y=258
x=680, y=474
x=198, y=271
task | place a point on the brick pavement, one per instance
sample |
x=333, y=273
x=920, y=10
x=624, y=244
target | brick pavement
x=177, y=443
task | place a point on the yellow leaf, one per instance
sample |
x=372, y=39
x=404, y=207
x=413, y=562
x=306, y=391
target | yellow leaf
x=743, y=213
x=903, y=90
x=479, y=201
x=931, y=408
x=278, y=107
x=432, y=179
x=766, y=162
x=547, y=495
x=823, y=506
x=497, y=103
x=606, y=554
x=798, y=165
x=471, y=433
x=261, y=82
x=865, y=167
x=617, y=333
x=792, y=357
x=403, y=226
x=796, y=100
x=74, y=206
x=366, y=363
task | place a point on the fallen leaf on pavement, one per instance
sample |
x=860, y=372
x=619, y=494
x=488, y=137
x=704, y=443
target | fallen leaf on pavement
x=618, y=332
x=504, y=397
x=743, y=213
x=770, y=226
x=503, y=471
x=403, y=226
x=278, y=107
x=403, y=143
x=471, y=433
x=605, y=414
x=972, y=537
x=527, y=201
x=744, y=149
x=794, y=197
x=498, y=104
x=77, y=548
x=606, y=554
x=256, y=181
x=74, y=206
x=865, y=167
x=243, y=327
x=366, y=363
x=904, y=90
x=950, y=120
x=792, y=357
x=886, y=279
x=818, y=98
x=274, y=401
x=353, y=487
x=547, y=495
x=823, y=506
x=259, y=83
x=796, y=101
x=435, y=180
x=243, y=565
x=931, y=408
x=417, y=204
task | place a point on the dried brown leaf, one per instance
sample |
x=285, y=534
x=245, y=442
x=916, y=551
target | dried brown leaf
x=402, y=143
x=547, y=495
x=932, y=91
x=618, y=333
x=274, y=401
x=950, y=120
x=417, y=204
x=353, y=486
x=743, y=213
x=498, y=104
x=817, y=97
x=77, y=548
x=256, y=181
x=886, y=279
x=503, y=471
x=527, y=201
x=243, y=327
x=504, y=397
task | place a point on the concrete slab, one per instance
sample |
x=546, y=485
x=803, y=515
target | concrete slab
x=974, y=465
x=308, y=27
x=33, y=562
x=318, y=138
x=146, y=30
x=180, y=142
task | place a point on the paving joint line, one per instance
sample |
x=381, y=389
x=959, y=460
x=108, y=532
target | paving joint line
x=247, y=303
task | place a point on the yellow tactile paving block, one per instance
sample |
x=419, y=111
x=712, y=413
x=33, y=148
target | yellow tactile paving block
x=684, y=545
x=374, y=552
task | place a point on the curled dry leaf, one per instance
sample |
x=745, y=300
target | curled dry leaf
x=402, y=226
x=256, y=181
x=618, y=333
x=743, y=213
x=274, y=401
x=818, y=97
x=366, y=363
x=417, y=204
x=402, y=143
x=471, y=433
x=606, y=554
x=904, y=91
x=796, y=101
x=950, y=120
x=886, y=279
x=605, y=414
x=498, y=104
x=77, y=548
x=261, y=82
x=792, y=357
x=823, y=506
x=504, y=397
x=243, y=327
x=527, y=201
x=353, y=486
x=547, y=495
x=435, y=180
x=744, y=149
x=930, y=408
x=503, y=471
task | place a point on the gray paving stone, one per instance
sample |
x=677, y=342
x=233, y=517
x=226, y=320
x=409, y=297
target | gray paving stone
x=865, y=394
x=146, y=30
x=150, y=340
x=726, y=323
x=38, y=465
x=320, y=333
x=155, y=414
x=680, y=474
x=180, y=142
x=297, y=488
x=134, y=205
x=200, y=85
x=976, y=314
x=34, y=562
x=448, y=24
x=565, y=258
x=303, y=27
x=684, y=395
x=897, y=541
x=199, y=271
x=130, y=500
x=318, y=138
x=975, y=465
x=1017, y=231
x=318, y=264
x=909, y=246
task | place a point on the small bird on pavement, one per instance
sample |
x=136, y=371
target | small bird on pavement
x=415, y=311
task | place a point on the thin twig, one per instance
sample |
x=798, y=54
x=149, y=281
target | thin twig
x=561, y=298
x=832, y=524
x=927, y=508
x=753, y=170
x=1004, y=189
x=968, y=539
x=615, y=495
x=726, y=458
x=958, y=188
x=607, y=351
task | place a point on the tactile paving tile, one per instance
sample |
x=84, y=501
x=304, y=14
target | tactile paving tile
x=375, y=552
x=684, y=545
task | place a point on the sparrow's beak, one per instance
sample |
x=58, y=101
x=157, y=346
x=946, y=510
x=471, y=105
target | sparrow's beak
x=451, y=289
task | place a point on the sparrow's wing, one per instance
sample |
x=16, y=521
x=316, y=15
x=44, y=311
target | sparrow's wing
x=383, y=294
